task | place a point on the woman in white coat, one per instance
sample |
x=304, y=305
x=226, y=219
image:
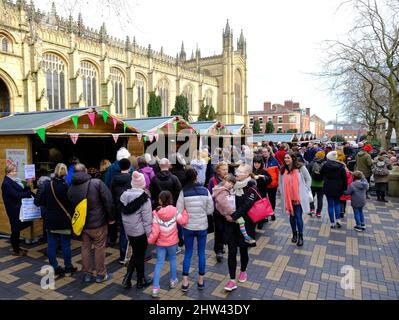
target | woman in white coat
x=295, y=193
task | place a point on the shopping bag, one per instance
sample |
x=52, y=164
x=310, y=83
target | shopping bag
x=29, y=211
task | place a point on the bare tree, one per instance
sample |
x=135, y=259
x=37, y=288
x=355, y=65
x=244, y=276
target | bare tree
x=364, y=68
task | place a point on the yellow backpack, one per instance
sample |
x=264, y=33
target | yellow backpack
x=78, y=220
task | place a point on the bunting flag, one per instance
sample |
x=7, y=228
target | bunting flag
x=159, y=130
x=218, y=131
x=167, y=126
x=105, y=115
x=115, y=136
x=175, y=124
x=156, y=136
x=74, y=137
x=124, y=127
x=139, y=136
x=75, y=120
x=92, y=117
x=191, y=130
x=145, y=139
x=115, y=121
x=41, y=132
x=151, y=137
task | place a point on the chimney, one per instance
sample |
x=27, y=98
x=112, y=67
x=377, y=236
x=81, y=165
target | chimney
x=267, y=106
x=288, y=105
x=296, y=106
x=308, y=112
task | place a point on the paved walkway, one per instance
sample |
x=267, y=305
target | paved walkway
x=277, y=270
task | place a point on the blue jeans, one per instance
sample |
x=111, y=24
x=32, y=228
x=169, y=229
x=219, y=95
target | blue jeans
x=334, y=204
x=359, y=217
x=161, y=253
x=189, y=236
x=296, y=220
x=52, y=244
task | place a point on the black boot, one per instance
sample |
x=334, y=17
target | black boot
x=294, y=237
x=273, y=217
x=143, y=283
x=383, y=198
x=300, y=240
x=127, y=279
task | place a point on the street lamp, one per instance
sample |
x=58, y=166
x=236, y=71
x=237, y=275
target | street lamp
x=336, y=128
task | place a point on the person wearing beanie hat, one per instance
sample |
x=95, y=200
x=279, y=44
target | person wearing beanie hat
x=137, y=222
x=364, y=163
x=320, y=154
x=335, y=184
x=120, y=183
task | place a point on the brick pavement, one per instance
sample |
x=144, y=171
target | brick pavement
x=277, y=270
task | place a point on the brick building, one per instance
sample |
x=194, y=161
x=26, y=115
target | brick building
x=317, y=126
x=351, y=132
x=289, y=116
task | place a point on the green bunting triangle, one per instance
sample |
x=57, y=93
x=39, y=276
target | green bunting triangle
x=124, y=127
x=145, y=139
x=219, y=131
x=105, y=115
x=175, y=124
x=42, y=134
x=75, y=121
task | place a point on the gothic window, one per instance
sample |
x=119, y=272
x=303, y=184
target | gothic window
x=117, y=80
x=54, y=68
x=163, y=88
x=4, y=44
x=209, y=98
x=237, y=92
x=140, y=85
x=188, y=93
x=89, y=79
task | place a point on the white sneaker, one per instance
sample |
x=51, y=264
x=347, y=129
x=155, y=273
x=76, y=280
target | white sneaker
x=179, y=250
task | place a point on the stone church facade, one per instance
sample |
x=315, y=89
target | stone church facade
x=49, y=63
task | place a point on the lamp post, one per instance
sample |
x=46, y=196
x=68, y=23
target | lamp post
x=336, y=128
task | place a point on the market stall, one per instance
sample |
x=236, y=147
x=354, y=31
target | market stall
x=48, y=138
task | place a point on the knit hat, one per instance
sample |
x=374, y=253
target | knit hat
x=332, y=155
x=122, y=153
x=320, y=154
x=138, y=180
x=368, y=148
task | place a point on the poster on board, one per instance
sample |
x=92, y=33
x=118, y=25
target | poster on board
x=18, y=157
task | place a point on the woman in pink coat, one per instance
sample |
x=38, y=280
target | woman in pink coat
x=164, y=236
x=345, y=198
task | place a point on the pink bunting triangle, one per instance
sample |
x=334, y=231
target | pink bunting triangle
x=92, y=117
x=139, y=136
x=115, y=121
x=156, y=136
x=115, y=136
x=74, y=137
x=151, y=137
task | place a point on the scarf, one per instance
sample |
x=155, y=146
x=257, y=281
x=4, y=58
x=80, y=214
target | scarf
x=291, y=190
x=238, y=189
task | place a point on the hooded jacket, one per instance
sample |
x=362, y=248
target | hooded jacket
x=178, y=170
x=198, y=202
x=99, y=199
x=271, y=166
x=136, y=212
x=200, y=166
x=335, y=180
x=164, y=181
x=164, y=226
x=148, y=173
x=220, y=195
x=120, y=183
x=357, y=191
x=364, y=163
x=349, y=177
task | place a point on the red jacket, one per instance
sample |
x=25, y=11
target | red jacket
x=164, y=226
x=350, y=180
x=280, y=156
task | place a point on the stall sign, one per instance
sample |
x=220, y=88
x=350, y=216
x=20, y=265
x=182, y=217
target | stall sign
x=30, y=172
x=19, y=158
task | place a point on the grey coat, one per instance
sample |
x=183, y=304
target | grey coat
x=357, y=191
x=138, y=223
x=305, y=182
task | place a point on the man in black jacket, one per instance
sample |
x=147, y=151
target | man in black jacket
x=99, y=214
x=120, y=183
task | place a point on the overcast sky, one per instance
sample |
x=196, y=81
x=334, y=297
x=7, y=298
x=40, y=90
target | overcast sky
x=283, y=38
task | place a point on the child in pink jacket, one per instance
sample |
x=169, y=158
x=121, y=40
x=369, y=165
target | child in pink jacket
x=164, y=236
x=225, y=203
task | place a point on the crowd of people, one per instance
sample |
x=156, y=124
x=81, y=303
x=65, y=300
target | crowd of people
x=170, y=202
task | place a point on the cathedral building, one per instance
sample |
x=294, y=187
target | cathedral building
x=48, y=62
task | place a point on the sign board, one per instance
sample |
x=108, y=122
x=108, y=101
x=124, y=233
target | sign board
x=29, y=211
x=30, y=172
x=19, y=158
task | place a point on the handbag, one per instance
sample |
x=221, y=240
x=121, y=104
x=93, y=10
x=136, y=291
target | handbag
x=261, y=209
